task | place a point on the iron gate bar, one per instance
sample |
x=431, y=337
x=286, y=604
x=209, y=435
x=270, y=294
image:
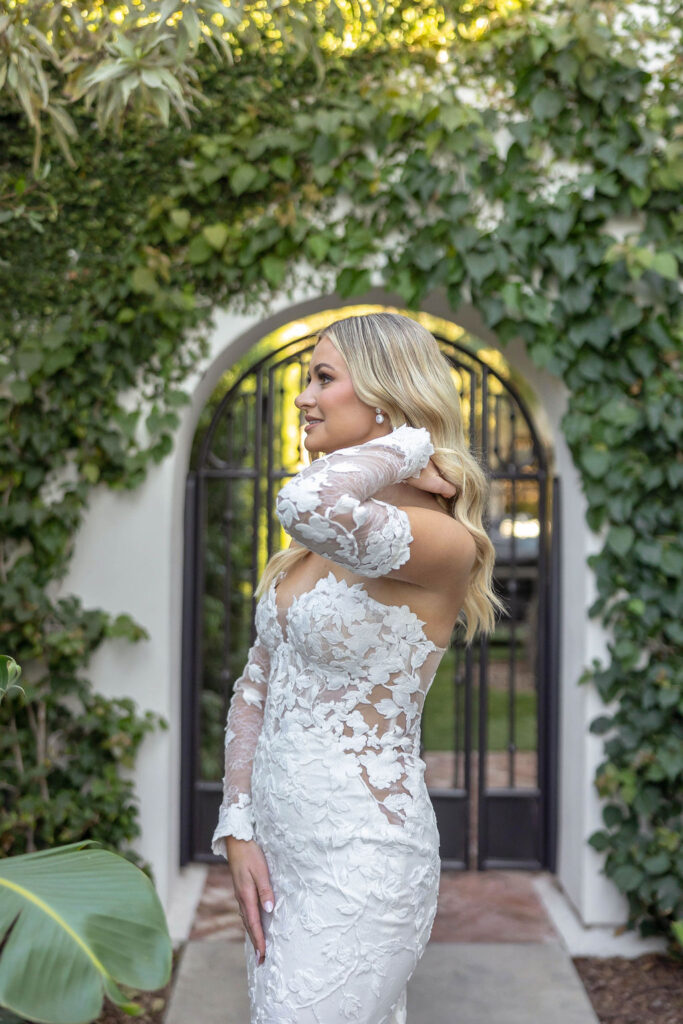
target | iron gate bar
x=552, y=596
x=187, y=690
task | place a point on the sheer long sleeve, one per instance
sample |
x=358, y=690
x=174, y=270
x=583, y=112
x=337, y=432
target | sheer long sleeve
x=243, y=726
x=328, y=506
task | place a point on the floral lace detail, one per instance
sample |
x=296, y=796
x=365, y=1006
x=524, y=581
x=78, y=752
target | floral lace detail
x=323, y=757
x=242, y=730
x=374, y=712
x=328, y=507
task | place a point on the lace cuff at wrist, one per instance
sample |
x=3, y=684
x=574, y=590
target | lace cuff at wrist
x=413, y=442
x=235, y=820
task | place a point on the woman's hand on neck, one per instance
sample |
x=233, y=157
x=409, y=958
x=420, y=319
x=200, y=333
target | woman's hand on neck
x=403, y=494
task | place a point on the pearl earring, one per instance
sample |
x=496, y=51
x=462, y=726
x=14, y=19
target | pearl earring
x=379, y=418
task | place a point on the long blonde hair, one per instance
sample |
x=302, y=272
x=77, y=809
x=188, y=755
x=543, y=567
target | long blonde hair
x=395, y=363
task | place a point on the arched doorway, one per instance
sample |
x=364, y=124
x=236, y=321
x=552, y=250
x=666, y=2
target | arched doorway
x=489, y=732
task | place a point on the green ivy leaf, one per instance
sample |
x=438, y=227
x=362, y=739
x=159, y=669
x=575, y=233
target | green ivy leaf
x=600, y=841
x=599, y=726
x=353, y=282
x=625, y=314
x=274, y=270
x=672, y=560
x=481, y=266
x=627, y=877
x=199, y=250
x=142, y=280
x=597, y=332
x=564, y=258
x=318, y=246
x=639, y=196
x=621, y=413
x=612, y=815
x=674, y=474
x=28, y=361
x=671, y=761
x=596, y=462
x=567, y=65
x=649, y=552
x=664, y=264
x=668, y=892
x=539, y=45
x=283, y=167
x=126, y=627
x=635, y=168
x=546, y=104
x=453, y=117
x=216, y=235
x=180, y=218
x=673, y=630
x=242, y=178
x=22, y=391
x=58, y=360
x=561, y=222
x=177, y=398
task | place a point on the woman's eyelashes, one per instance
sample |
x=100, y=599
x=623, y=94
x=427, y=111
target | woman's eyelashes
x=320, y=377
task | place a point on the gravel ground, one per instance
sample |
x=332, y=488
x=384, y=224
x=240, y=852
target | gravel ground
x=154, y=1004
x=647, y=989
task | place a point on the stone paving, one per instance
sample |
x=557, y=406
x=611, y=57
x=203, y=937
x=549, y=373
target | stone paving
x=493, y=953
x=493, y=956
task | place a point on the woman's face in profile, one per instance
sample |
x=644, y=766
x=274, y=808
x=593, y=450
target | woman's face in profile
x=341, y=419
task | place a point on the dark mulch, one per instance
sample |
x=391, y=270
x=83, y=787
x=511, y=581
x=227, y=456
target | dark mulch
x=647, y=989
x=154, y=1004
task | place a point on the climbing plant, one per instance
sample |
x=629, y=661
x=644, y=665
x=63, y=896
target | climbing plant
x=535, y=172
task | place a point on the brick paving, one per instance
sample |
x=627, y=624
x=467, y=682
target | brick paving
x=474, y=906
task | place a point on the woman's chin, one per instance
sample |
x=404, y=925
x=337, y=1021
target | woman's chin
x=310, y=444
x=313, y=438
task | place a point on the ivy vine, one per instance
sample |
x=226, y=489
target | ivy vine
x=536, y=173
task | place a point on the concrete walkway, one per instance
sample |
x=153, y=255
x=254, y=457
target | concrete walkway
x=494, y=956
x=454, y=983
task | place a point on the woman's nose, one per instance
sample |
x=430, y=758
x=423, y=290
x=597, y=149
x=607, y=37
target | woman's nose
x=301, y=398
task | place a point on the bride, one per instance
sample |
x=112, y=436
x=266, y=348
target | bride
x=326, y=821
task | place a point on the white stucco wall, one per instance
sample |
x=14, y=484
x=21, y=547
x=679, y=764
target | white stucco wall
x=129, y=557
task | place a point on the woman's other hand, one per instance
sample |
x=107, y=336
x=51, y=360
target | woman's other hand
x=251, y=881
x=430, y=479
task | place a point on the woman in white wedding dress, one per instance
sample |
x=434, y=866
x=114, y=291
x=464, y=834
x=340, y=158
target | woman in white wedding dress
x=326, y=821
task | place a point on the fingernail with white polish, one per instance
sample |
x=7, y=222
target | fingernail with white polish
x=268, y=906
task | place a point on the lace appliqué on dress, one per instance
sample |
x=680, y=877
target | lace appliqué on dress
x=328, y=507
x=242, y=730
x=323, y=763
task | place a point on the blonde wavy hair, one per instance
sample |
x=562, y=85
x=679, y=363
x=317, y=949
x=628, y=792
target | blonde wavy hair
x=395, y=363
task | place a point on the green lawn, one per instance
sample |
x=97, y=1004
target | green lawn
x=438, y=721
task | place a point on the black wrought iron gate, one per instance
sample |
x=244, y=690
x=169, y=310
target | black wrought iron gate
x=490, y=720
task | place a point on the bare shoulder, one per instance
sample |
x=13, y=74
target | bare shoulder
x=441, y=547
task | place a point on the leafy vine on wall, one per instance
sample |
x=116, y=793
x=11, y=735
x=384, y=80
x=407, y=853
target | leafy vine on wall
x=536, y=174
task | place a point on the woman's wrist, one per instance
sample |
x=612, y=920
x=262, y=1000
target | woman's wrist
x=234, y=841
x=414, y=443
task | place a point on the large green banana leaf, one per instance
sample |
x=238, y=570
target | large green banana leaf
x=73, y=923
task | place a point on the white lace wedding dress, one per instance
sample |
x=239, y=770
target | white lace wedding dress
x=322, y=757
